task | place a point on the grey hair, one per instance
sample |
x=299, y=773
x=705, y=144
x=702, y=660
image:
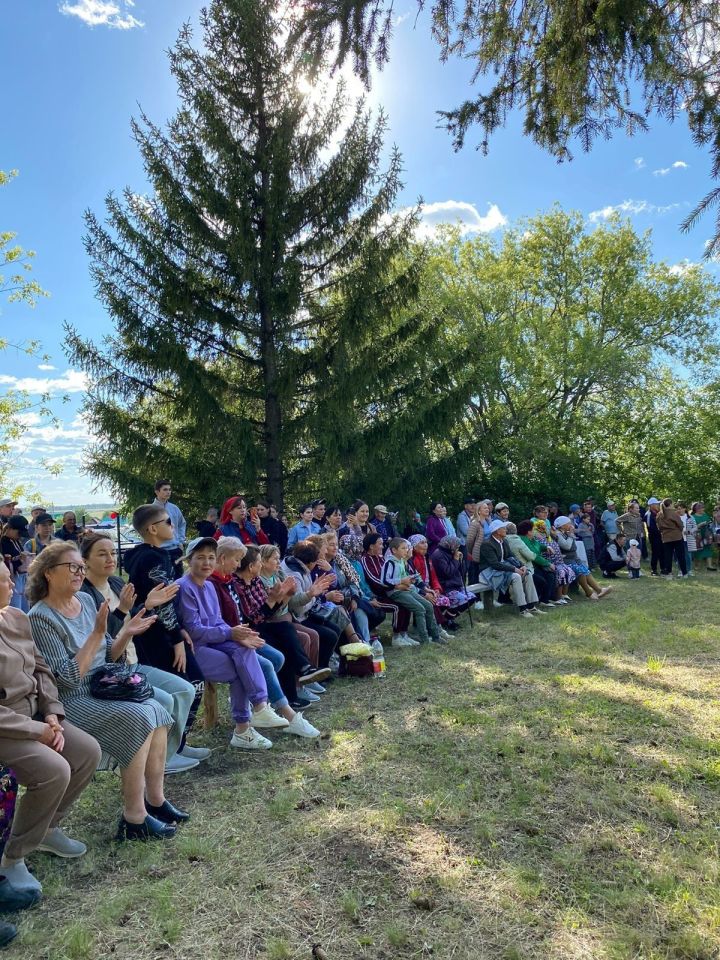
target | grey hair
x=228, y=545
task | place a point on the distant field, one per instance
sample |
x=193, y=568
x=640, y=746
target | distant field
x=536, y=790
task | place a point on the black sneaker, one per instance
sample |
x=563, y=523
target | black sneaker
x=313, y=675
x=302, y=704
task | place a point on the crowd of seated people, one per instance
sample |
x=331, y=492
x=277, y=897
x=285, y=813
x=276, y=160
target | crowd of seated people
x=265, y=608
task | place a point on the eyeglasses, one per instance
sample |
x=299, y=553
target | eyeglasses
x=74, y=567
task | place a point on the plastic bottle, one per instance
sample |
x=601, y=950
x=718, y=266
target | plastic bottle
x=378, y=655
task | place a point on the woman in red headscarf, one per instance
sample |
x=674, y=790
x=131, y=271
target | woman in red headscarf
x=235, y=522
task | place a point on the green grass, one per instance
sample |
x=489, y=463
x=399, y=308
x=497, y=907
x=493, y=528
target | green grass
x=536, y=790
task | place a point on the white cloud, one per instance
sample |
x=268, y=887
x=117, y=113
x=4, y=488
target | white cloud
x=664, y=171
x=631, y=207
x=460, y=213
x=102, y=13
x=72, y=381
x=639, y=163
x=681, y=268
x=46, y=366
x=401, y=18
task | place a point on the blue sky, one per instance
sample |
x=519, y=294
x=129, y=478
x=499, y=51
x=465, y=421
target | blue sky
x=76, y=72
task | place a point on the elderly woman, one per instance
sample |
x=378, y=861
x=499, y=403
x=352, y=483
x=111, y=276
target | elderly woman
x=449, y=564
x=420, y=562
x=564, y=574
x=173, y=692
x=528, y=550
x=703, y=534
x=221, y=655
x=52, y=758
x=271, y=576
x=72, y=637
x=565, y=532
x=230, y=552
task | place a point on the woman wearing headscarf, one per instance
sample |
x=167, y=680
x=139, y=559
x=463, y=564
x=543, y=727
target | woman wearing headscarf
x=449, y=565
x=564, y=574
x=234, y=522
x=423, y=566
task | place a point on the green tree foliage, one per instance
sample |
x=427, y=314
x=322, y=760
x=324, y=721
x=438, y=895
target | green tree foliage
x=264, y=253
x=548, y=372
x=16, y=286
x=574, y=70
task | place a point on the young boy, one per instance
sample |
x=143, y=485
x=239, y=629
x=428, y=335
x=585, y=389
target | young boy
x=633, y=558
x=401, y=587
x=165, y=644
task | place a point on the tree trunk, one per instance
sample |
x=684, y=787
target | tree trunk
x=268, y=349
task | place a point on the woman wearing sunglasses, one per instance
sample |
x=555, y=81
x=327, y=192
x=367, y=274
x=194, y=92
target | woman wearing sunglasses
x=72, y=637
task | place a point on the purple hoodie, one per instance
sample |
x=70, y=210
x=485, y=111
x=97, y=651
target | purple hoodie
x=199, y=612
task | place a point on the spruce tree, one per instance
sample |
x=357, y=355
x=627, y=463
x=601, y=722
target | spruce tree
x=264, y=248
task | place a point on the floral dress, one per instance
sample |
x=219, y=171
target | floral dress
x=564, y=574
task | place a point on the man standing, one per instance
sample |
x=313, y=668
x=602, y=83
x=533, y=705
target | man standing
x=609, y=520
x=6, y=509
x=318, y=509
x=656, y=544
x=383, y=524
x=464, y=519
x=34, y=514
x=174, y=546
x=631, y=524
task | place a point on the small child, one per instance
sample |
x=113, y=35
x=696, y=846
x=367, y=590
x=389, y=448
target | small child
x=403, y=587
x=633, y=558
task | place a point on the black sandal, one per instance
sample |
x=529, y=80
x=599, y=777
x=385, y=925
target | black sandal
x=149, y=829
x=167, y=813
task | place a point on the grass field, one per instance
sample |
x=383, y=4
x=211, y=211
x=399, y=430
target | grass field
x=536, y=790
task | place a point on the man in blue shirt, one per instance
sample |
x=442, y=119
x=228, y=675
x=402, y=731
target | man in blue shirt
x=464, y=519
x=163, y=492
x=609, y=520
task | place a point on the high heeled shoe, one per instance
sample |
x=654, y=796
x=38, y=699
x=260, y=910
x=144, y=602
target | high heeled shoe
x=149, y=829
x=167, y=813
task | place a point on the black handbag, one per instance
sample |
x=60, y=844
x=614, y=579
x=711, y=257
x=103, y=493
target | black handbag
x=120, y=681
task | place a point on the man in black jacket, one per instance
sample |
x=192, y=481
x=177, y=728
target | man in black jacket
x=501, y=571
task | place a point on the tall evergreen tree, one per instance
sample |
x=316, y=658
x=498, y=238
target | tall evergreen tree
x=264, y=247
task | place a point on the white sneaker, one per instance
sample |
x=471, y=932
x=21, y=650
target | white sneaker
x=445, y=635
x=496, y=603
x=403, y=640
x=194, y=753
x=250, y=739
x=594, y=596
x=548, y=603
x=538, y=610
x=527, y=615
x=300, y=727
x=267, y=718
x=479, y=605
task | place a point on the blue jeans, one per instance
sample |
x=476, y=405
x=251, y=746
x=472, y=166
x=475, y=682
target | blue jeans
x=271, y=660
x=360, y=622
x=177, y=696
